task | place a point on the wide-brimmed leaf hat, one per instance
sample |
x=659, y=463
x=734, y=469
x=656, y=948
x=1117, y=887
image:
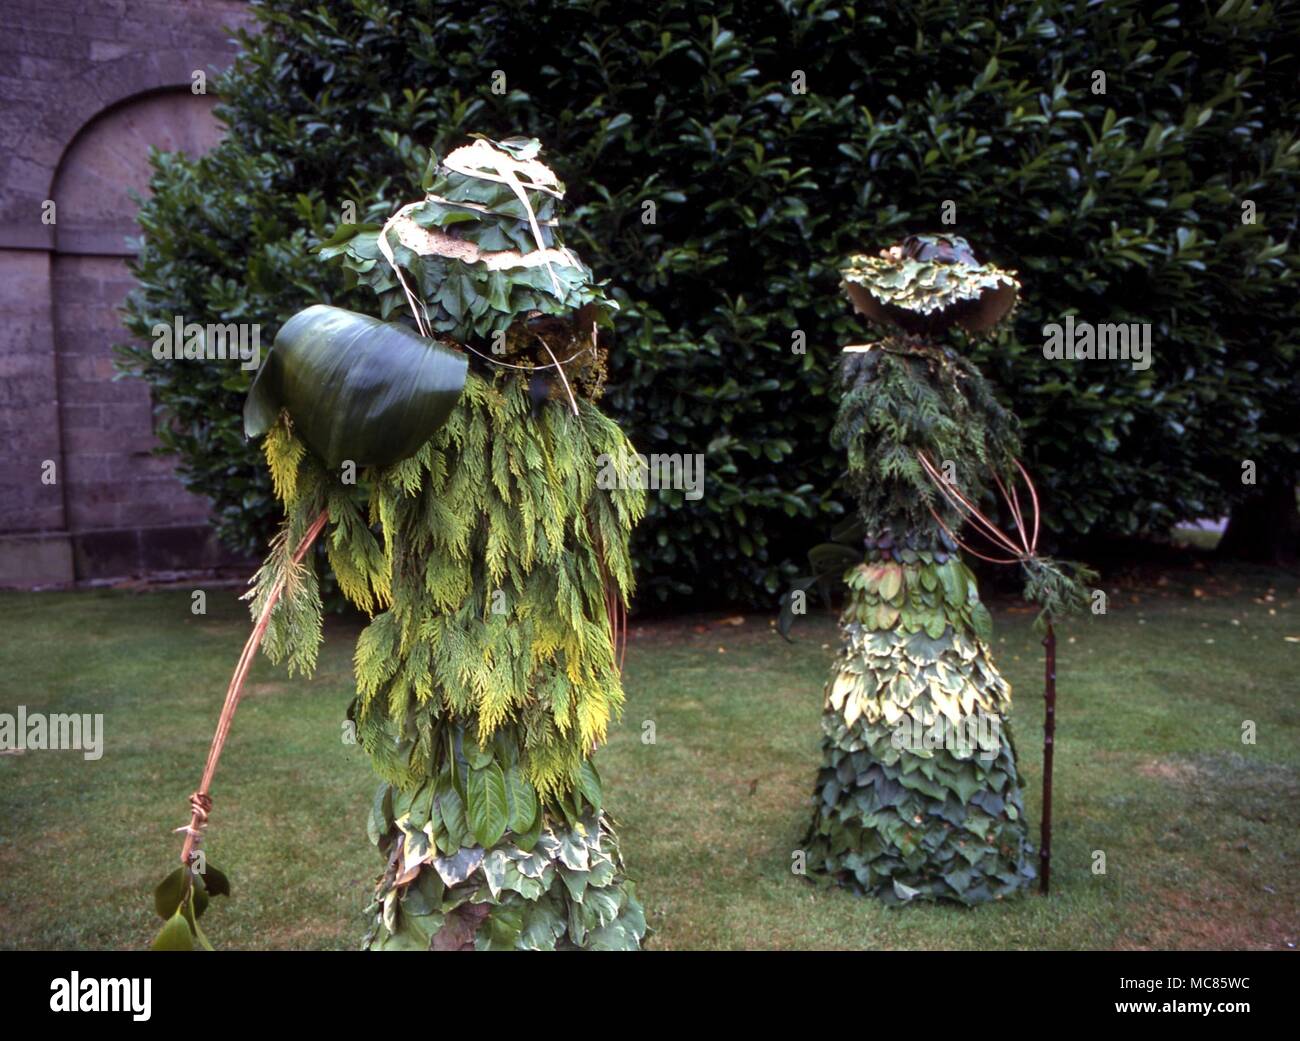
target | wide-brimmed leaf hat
x=926, y=283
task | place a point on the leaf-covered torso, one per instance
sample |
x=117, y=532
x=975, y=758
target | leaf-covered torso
x=903, y=397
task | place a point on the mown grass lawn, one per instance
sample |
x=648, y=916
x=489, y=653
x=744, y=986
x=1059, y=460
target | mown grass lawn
x=1198, y=829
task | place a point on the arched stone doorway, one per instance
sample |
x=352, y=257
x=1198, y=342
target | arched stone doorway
x=81, y=496
x=124, y=507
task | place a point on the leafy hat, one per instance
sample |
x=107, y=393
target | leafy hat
x=927, y=283
x=480, y=249
x=480, y=254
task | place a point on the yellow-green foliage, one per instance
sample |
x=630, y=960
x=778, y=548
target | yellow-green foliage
x=283, y=454
x=484, y=560
x=294, y=629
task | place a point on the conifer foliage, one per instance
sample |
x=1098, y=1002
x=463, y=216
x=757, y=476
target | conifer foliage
x=487, y=674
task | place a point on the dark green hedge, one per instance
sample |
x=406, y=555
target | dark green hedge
x=1122, y=206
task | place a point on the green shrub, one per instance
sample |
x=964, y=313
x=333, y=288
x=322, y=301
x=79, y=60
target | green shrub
x=1120, y=207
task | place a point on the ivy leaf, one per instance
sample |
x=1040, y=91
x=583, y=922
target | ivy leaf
x=501, y=929
x=336, y=244
x=601, y=907
x=455, y=869
x=495, y=867
x=967, y=784
x=613, y=937
x=542, y=927
x=417, y=930
x=487, y=811
x=499, y=292
x=456, y=294
x=573, y=852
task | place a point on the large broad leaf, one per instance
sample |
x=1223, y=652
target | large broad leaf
x=215, y=881
x=951, y=574
x=891, y=581
x=169, y=893
x=358, y=389
x=174, y=936
x=486, y=808
x=522, y=801
x=589, y=784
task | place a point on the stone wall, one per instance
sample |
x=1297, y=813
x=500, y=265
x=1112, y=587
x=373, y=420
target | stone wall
x=85, y=90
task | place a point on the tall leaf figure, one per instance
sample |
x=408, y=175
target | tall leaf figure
x=491, y=552
x=919, y=796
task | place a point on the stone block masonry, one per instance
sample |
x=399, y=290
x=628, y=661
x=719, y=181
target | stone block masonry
x=85, y=91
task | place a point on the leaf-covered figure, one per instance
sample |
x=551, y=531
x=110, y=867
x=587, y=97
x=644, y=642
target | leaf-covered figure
x=492, y=558
x=919, y=796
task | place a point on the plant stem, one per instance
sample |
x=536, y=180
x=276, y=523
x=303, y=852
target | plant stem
x=200, y=802
x=1049, y=746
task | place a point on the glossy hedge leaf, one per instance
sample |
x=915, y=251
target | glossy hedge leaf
x=477, y=757
x=829, y=561
x=422, y=805
x=356, y=388
x=527, y=840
